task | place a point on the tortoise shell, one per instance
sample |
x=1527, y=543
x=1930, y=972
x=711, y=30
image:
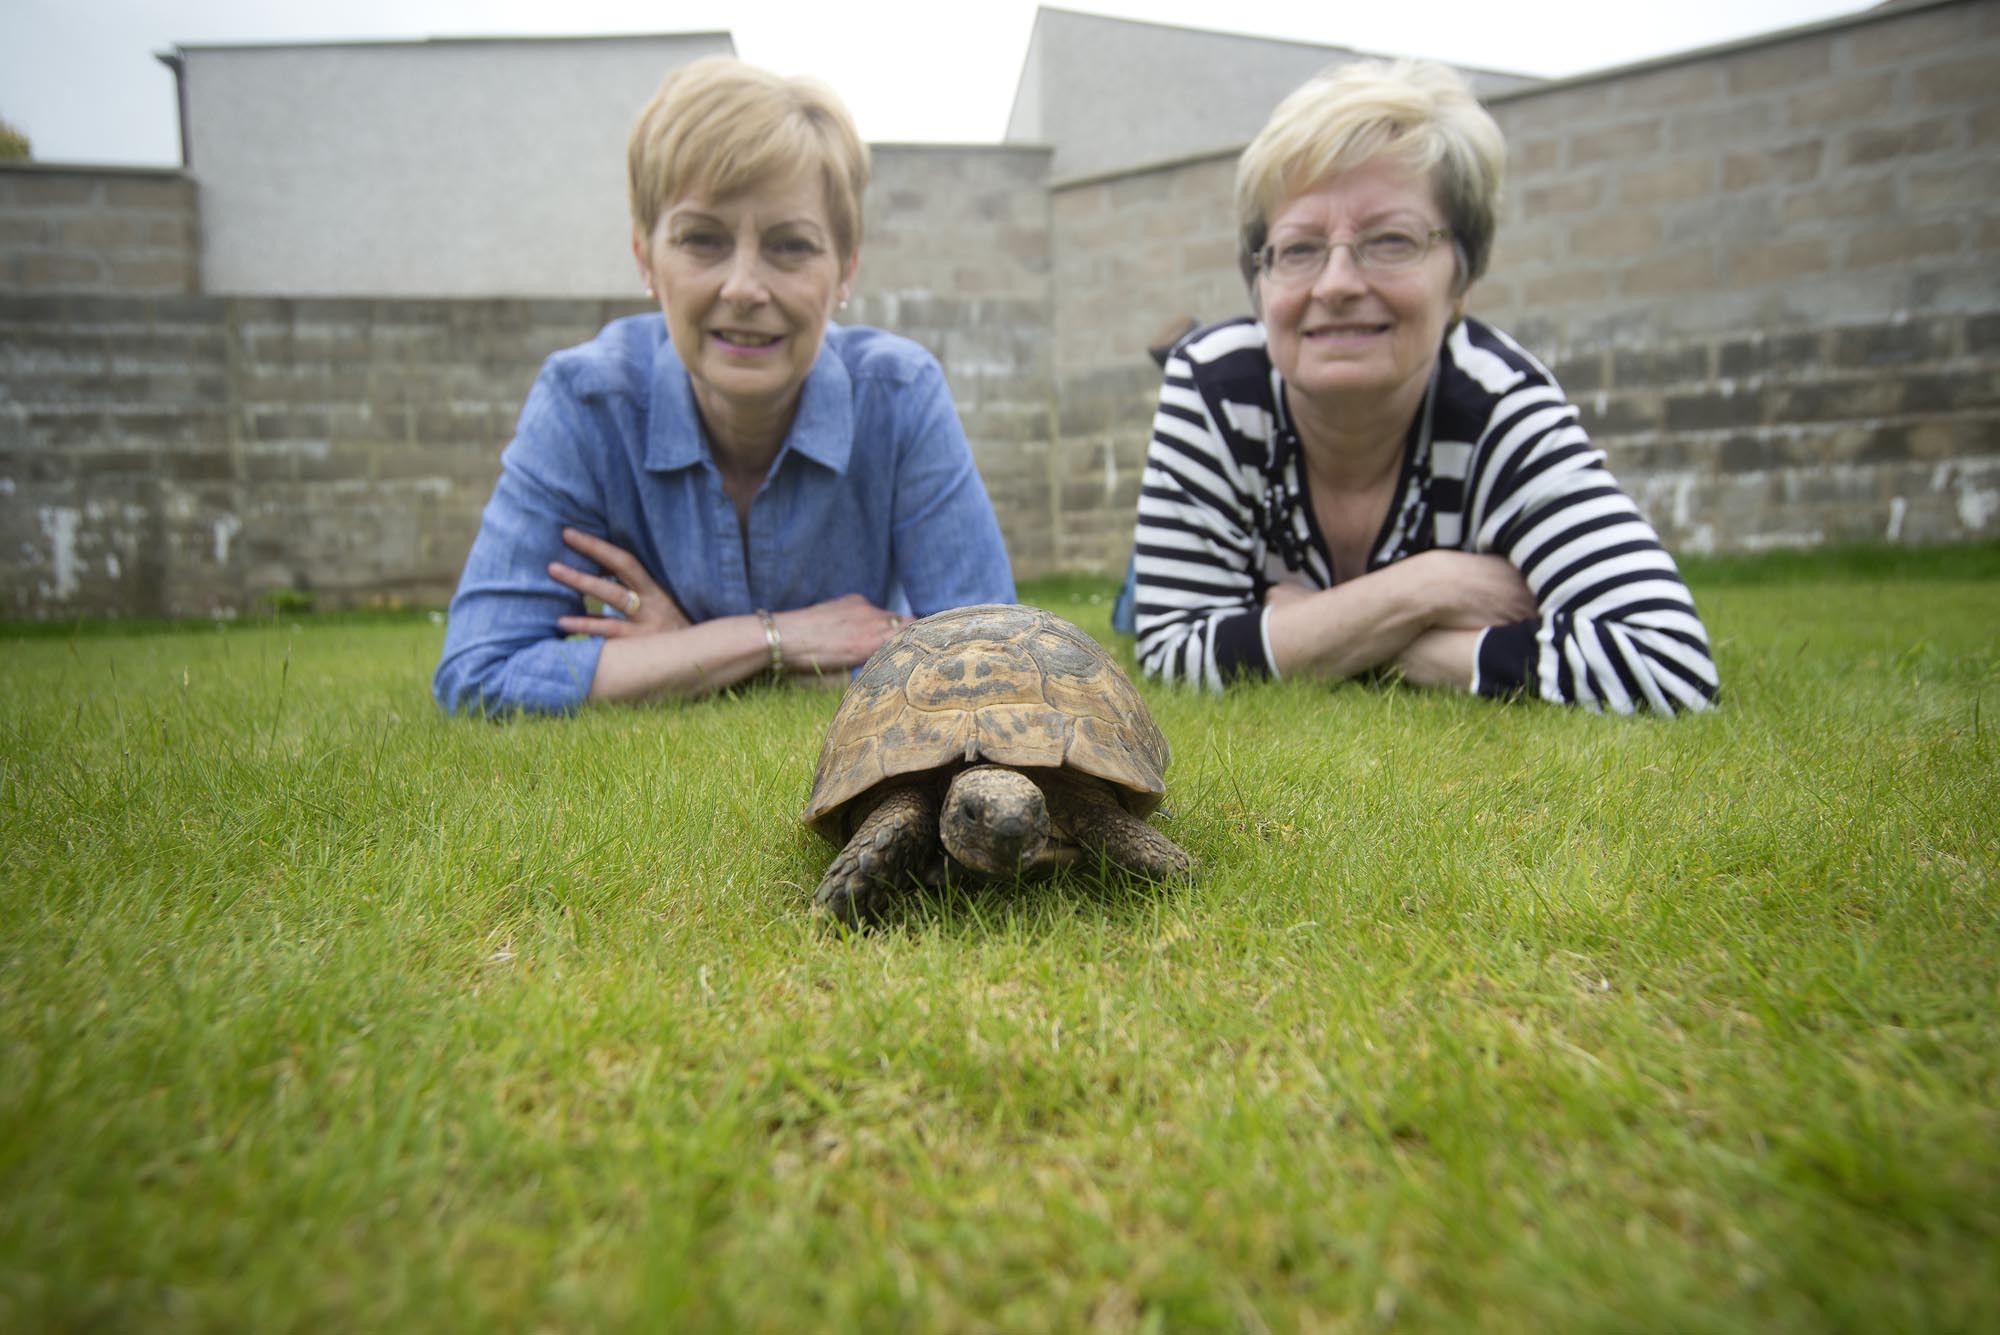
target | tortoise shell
x=1002, y=683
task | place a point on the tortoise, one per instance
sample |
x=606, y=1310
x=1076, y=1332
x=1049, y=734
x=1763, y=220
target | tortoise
x=988, y=742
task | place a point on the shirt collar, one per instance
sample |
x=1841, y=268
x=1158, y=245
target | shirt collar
x=822, y=430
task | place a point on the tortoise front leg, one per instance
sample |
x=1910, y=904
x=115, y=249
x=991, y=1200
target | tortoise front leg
x=1098, y=823
x=896, y=840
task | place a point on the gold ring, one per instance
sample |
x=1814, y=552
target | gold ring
x=631, y=602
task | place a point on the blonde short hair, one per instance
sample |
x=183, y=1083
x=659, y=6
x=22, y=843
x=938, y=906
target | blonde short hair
x=719, y=126
x=1414, y=112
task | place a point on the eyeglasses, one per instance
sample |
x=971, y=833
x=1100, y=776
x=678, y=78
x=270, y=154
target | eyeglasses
x=1301, y=259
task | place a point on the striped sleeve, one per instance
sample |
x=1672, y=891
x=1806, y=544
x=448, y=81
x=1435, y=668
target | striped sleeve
x=1616, y=628
x=1200, y=618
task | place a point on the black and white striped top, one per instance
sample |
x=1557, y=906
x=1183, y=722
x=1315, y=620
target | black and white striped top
x=1496, y=463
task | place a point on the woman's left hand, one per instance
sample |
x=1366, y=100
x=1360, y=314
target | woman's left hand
x=647, y=608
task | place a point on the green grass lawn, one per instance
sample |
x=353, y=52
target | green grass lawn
x=319, y=1010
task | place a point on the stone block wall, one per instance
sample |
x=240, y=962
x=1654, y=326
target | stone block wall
x=1771, y=278
x=97, y=229
x=189, y=456
x=111, y=449
x=1828, y=179
x=1742, y=440
x=1768, y=274
x=1137, y=255
x=958, y=257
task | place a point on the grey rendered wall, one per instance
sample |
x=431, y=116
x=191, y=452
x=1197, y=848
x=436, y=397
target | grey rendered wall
x=1111, y=93
x=445, y=168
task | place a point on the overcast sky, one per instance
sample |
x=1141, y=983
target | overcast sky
x=79, y=77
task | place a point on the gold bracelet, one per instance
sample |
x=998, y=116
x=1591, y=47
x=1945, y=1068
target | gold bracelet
x=771, y=638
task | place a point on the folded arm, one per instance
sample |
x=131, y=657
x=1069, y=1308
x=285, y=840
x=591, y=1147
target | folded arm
x=1615, y=627
x=1423, y=616
x=1566, y=594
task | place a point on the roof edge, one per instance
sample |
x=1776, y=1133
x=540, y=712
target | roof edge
x=486, y=39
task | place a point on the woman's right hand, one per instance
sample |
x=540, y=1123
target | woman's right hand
x=835, y=635
x=645, y=607
x=1469, y=591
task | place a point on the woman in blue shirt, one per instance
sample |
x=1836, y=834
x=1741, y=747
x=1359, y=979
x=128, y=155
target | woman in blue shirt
x=745, y=486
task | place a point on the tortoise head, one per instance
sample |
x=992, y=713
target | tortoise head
x=995, y=820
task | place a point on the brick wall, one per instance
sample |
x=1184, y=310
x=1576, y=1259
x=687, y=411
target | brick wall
x=97, y=229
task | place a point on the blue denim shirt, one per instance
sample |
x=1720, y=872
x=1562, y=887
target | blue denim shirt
x=873, y=492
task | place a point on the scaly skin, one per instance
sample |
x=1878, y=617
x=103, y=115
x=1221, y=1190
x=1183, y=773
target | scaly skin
x=995, y=821
x=1098, y=823
x=996, y=824
x=894, y=841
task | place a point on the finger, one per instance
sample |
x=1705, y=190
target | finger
x=589, y=544
x=607, y=591
x=580, y=580
x=612, y=557
x=609, y=627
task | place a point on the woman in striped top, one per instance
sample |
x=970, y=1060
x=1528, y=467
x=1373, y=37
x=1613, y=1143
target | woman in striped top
x=1366, y=479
